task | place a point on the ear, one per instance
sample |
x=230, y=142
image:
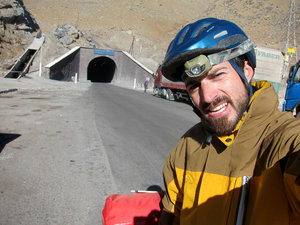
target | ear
x=248, y=71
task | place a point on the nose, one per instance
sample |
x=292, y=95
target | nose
x=208, y=91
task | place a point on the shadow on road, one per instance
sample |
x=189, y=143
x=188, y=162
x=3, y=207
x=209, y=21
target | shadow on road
x=6, y=138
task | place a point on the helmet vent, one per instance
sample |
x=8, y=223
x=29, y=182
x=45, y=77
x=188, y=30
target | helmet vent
x=183, y=35
x=221, y=34
x=200, y=29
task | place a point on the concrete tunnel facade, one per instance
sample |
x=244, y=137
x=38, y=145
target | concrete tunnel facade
x=96, y=65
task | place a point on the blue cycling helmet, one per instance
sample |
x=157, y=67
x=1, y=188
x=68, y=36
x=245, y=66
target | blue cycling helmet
x=205, y=37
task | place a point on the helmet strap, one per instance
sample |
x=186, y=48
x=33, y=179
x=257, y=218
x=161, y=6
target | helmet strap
x=242, y=75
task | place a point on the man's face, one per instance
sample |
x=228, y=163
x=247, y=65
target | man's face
x=221, y=97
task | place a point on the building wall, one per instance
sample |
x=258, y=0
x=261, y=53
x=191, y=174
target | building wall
x=66, y=68
x=129, y=73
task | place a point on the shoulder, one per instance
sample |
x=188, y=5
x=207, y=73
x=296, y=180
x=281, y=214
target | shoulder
x=283, y=138
x=190, y=141
x=284, y=126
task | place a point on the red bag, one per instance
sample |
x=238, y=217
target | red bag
x=135, y=209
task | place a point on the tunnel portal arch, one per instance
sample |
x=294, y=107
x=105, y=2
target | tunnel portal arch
x=101, y=69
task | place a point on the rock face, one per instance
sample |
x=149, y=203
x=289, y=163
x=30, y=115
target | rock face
x=142, y=28
x=145, y=28
x=67, y=35
x=14, y=13
x=17, y=30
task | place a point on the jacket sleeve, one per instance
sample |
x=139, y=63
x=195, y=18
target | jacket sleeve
x=172, y=200
x=277, y=173
x=290, y=166
x=291, y=179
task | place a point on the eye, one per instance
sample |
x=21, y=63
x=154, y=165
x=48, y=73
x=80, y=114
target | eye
x=218, y=75
x=192, y=87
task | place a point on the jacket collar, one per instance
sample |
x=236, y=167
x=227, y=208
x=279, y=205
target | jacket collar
x=256, y=108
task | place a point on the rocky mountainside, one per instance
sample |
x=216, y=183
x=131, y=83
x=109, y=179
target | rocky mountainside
x=143, y=28
x=16, y=28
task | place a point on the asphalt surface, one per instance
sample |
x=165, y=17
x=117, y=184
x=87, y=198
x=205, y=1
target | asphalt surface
x=64, y=147
x=46, y=164
x=138, y=132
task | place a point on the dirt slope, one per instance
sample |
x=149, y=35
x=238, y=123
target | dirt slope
x=144, y=28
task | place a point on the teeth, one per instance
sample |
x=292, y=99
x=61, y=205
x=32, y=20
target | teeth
x=219, y=108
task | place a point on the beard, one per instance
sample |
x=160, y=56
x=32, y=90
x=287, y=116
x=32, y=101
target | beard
x=223, y=126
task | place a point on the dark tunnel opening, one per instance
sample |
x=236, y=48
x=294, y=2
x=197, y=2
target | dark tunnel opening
x=101, y=69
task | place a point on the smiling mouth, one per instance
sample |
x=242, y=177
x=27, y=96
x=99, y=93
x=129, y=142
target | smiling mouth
x=219, y=108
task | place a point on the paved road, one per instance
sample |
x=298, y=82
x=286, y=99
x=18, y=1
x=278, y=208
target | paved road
x=138, y=131
x=65, y=147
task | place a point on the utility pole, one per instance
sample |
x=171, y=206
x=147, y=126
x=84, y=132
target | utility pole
x=289, y=52
x=131, y=50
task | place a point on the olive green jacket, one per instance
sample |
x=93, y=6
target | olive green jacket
x=203, y=178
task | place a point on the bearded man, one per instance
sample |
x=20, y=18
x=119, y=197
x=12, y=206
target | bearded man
x=241, y=163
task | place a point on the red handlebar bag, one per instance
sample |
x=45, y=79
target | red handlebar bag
x=135, y=209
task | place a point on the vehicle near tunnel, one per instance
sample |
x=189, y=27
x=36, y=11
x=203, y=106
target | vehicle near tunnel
x=168, y=89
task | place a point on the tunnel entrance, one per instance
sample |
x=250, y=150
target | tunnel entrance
x=101, y=69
